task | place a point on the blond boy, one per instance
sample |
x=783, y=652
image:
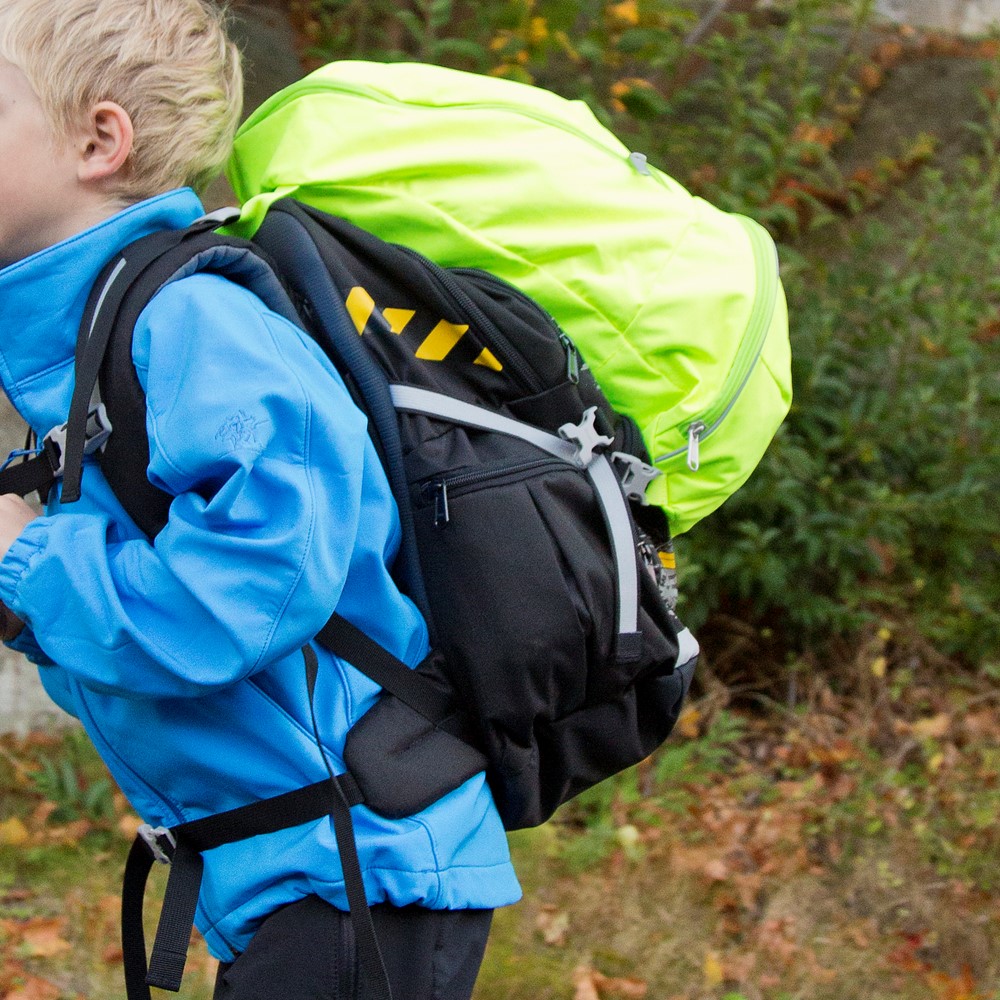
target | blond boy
x=182, y=658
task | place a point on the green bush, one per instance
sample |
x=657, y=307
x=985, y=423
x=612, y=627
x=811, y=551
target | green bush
x=879, y=498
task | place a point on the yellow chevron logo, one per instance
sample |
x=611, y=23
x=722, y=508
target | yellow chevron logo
x=360, y=306
x=436, y=346
x=441, y=340
x=398, y=318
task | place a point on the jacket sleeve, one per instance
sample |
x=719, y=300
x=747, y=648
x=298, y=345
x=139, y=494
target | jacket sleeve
x=258, y=440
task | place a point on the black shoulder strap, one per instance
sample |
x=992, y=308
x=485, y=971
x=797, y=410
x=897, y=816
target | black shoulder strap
x=104, y=353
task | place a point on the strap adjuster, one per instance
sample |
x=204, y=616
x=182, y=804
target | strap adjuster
x=585, y=435
x=635, y=475
x=160, y=841
x=97, y=434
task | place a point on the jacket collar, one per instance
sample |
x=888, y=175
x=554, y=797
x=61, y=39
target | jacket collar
x=42, y=299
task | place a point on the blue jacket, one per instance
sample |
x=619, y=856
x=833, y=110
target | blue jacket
x=182, y=658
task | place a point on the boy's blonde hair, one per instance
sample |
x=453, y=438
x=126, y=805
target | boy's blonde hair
x=168, y=63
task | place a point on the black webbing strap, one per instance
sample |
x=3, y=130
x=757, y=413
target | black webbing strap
x=100, y=316
x=349, y=643
x=36, y=475
x=333, y=797
x=370, y=960
x=166, y=965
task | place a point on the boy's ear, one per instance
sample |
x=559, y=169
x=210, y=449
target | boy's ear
x=105, y=142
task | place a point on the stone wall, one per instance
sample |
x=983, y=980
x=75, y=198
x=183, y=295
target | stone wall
x=964, y=17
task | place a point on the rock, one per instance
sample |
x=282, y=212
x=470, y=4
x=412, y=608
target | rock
x=960, y=17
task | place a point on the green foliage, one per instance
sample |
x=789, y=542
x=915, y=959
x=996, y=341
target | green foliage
x=75, y=782
x=878, y=500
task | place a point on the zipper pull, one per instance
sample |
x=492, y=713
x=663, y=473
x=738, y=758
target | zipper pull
x=572, y=359
x=638, y=160
x=695, y=432
x=441, y=513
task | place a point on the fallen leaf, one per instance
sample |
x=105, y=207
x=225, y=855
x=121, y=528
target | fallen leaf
x=42, y=937
x=553, y=925
x=13, y=833
x=128, y=826
x=870, y=77
x=933, y=728
x=627, y=11
x=716, y=870
x=42, y=812
x=112, y=955
x=585, y=986
x=33, y=988
x=688, y=723
x=630, y=989
x=712, y=970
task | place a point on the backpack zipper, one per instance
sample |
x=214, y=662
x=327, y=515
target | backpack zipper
x=440, y=490
x=759, y=323
x=572, y=355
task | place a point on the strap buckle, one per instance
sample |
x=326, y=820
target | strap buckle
x=220, y=217
x=97, y=434
x=588, y=440
x=160, y=841
x=635, y=475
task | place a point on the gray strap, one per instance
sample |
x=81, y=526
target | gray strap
x=687, y=647
x=436, y=404
x=602, y=475
x=616, y=514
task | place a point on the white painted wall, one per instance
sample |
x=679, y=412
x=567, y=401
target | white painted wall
x=964, y=17
x=24, y=705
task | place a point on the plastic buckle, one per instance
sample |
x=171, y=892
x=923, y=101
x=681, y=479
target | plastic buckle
x=154, y=838
x=635, y=475
x=586, y=436
x=98, y=432
x=220, y=217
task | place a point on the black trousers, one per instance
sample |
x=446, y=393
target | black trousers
x=306, y=951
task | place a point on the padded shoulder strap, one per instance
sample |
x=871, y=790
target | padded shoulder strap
x=104, y=353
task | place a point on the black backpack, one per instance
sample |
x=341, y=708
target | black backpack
x=556, y=659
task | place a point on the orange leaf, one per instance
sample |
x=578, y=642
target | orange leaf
x=112, y=955
x=688, y=723
x=43, y=938
x=961, y=987
x=933, y=728
x=33, y=988
x=870, y=77
x=128, y=826
x=630, y=989
x=585, y=986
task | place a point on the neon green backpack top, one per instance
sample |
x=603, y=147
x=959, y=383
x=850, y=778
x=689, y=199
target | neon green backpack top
x=676, y=306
